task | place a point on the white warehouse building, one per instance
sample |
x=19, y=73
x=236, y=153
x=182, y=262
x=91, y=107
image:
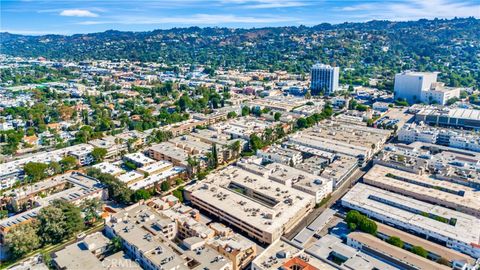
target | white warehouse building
x=454, y=229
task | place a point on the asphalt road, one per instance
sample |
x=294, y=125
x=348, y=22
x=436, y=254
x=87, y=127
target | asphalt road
x=336, y=195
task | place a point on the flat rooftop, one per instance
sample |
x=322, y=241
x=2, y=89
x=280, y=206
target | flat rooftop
x=402, y=255
x=107, y=167
x=275, y=255
x=439, y=250
x=158, y=177
x=230, y=190
x=308, y=181
x=423, y=187
x=409, y=211
x=139, y=158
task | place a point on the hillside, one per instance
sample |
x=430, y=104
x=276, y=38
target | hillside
x=375, y=49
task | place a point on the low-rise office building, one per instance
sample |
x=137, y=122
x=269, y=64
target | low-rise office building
x=291, y=177
x=424, y=188
x=448, y=137
x=403, y=259
x=449, y=117
x=454, y=229
x=282, y=254
x=260, y=207
x=279, y=154
x=441, y=162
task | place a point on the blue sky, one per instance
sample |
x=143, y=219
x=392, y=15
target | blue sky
x=37, y=17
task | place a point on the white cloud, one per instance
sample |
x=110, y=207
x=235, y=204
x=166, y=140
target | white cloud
x=78, y=13
x=197, y=19
x=265, y=4
x=33, y=32
x=414, y=10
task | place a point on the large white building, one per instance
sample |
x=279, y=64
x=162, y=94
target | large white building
x=452, y=228
x=409, y=85
x=417, y=87
x=324, y=79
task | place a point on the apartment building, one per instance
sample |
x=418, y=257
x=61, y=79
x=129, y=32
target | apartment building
x=73, y=187
x=146, y=236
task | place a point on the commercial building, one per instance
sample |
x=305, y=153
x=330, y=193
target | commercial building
x=401, y=258
x=440, y=162
x=435, y=251
x=107, y=167
x=277, y=103
x=324, y=79
x=260, y=207
x=338, y=137
x=454, y=229
x=138, y=159
x=461, y=139
x=242, y=127
x=279, y=154
x=223, y=142
x=422, y=187
x=448, y=117
x=409, y=85
x=112, y=144
x=439, y=94
x=291, y=177
x=169, y=152
x=331, y=248
x=282, y=254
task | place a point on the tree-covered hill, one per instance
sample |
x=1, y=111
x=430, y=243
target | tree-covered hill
x=375, y=49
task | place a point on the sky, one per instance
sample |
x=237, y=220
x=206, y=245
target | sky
x=39, y=17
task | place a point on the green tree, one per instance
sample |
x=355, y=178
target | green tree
x=117, y=190
x=52, y=225
x=420, y=251
x=141, y=194
x=302, y=123
x=55, y=167
x=255, y=142
x=214, y=160
x=362, y=222
x=22, y=239
x=68, y=163
x=235, y=147
x=35, y=170
x=277, y=116
x=178, y=193
x=165, y=186
x=59, y=220
x=245, y=110
x=231, y=115
x=99, y=154
x=115, y=244
x=91, y=208
x=396, y=241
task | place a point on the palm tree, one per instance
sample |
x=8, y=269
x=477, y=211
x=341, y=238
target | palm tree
x=235, y=147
